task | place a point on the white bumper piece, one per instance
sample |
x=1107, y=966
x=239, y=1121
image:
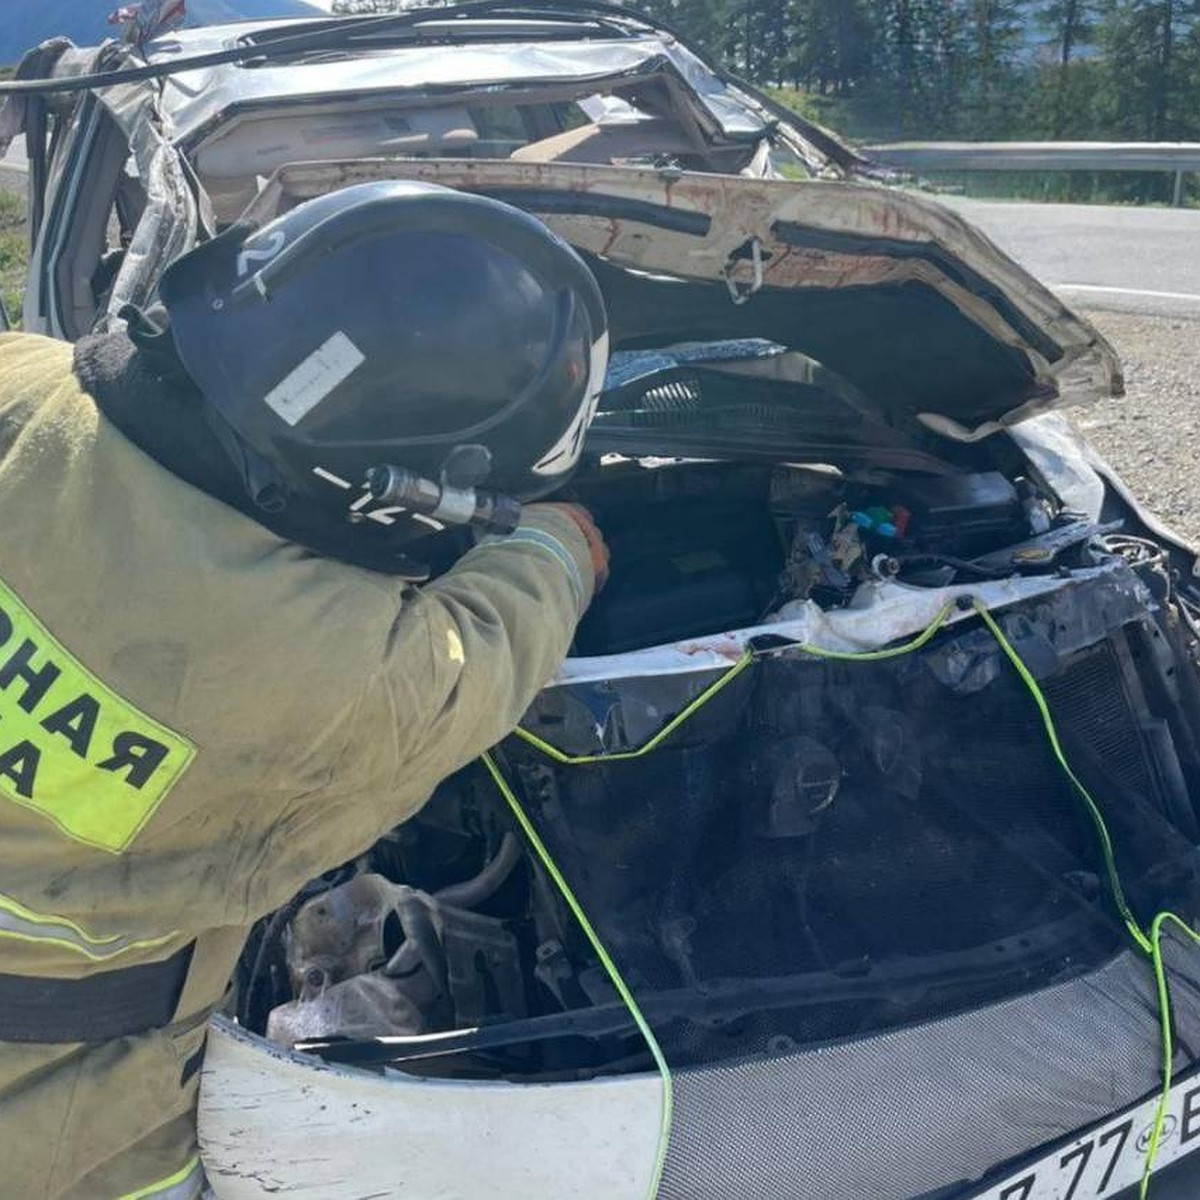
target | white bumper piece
x=278, y=1124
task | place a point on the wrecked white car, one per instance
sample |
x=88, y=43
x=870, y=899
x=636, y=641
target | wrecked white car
x=833, y=863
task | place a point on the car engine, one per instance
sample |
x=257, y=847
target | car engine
x=824, y=850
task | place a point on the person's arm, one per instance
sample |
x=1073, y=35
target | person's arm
x=473, y=649
x=449, y=675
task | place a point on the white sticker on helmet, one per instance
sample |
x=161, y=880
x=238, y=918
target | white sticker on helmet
x=304, y=387
x=564, y=454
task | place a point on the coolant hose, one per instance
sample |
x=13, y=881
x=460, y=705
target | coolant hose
x=473, y=892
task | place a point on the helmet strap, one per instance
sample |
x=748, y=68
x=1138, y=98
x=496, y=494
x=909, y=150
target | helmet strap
x=262, y=482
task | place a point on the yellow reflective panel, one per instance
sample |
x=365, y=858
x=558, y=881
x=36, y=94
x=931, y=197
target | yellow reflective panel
x=70, y=747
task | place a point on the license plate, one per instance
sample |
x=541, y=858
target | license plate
x=1110, y=1158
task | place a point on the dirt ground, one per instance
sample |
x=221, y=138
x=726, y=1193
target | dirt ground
x=1152, y=435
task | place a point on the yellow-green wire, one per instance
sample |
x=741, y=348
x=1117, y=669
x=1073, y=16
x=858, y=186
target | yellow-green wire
x=1166, y=1038
x=1149, y=944
x=606, y=961
x=899, y=651
x=574, y=760
x=722, y=681
x=569, y=897
x=1110, y=864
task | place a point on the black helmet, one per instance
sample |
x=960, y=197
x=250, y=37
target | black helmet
x=446, y=335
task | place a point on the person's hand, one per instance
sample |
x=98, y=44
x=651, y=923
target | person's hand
x=591, y=531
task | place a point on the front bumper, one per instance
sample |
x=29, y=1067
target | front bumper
x=916, y=1112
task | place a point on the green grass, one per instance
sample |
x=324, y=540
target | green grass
x=854, y=118
x=13, y=259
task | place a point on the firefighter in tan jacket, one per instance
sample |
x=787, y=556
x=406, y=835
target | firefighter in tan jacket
x=217, y=678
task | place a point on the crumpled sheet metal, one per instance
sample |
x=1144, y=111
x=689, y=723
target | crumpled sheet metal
x=38, y=63
x=363, y=1007
x=170, y=222
x=199, y=97
x=739, y=210
x=335, y=952
x=348, y=983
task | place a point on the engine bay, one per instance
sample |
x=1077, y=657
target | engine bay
x=700, y=548
x=773, y=849
x=822, y=851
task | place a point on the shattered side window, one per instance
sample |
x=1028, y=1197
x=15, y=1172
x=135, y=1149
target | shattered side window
x=93, y=228
x=128, y=205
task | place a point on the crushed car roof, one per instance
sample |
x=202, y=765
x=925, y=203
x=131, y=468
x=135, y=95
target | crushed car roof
x=481, y=52
x=900, y=296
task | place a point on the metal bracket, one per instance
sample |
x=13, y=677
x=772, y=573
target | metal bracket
x=739, y=293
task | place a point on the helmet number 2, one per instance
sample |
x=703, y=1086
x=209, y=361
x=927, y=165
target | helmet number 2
x=252, y=256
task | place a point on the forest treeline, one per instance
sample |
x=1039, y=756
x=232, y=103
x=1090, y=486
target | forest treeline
x=1119, y=70
x=1072, y=69
x=1067, y=69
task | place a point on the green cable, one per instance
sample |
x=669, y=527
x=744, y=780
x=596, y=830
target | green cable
x=574, y=760
x=572, y=901
x=722, y=681
x=1166, y=1038
x=1135, y=931
x=1150, y=944
x=610, y=967
x=879, y=655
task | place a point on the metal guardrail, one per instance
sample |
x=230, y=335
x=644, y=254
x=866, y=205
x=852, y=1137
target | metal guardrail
x=1179, y=158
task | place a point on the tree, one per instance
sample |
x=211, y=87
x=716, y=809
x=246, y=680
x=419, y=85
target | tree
x=1071, y=26
x=993, y=40
x=835, y=43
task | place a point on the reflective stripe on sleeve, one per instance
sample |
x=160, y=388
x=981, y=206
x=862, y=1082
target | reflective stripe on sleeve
x=547, y=541
x=185, y=1184
x=17, y=921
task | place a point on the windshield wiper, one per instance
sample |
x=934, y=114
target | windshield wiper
x=719, y=998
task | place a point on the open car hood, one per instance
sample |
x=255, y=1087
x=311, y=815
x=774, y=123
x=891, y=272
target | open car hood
x=916, y=310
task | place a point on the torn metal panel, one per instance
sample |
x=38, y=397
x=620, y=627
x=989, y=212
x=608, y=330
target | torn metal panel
x=195, y=99
x=1084, y=480
x=170, y=221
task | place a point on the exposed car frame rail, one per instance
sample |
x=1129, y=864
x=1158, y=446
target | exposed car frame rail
x=1179, y=158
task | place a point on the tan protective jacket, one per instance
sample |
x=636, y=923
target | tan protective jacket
x=195, y=719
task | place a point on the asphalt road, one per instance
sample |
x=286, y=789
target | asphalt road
x=1144, y=260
